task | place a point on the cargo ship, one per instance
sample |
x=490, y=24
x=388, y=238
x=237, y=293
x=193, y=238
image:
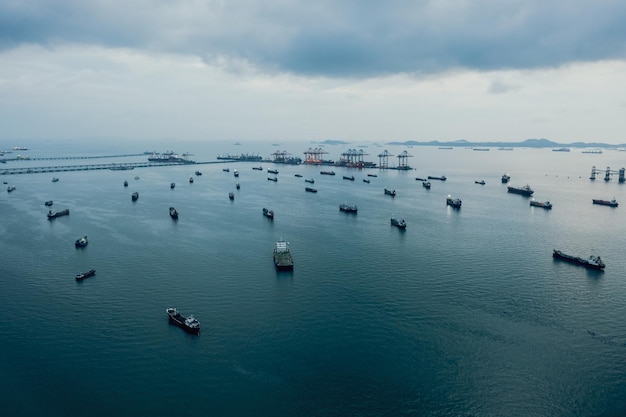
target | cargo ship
x=390, y=192
x=310, y=190
x=327, y=172
x=173, y=213
x=525, y=190
x=612, y=203
x=592, y=262
x=268, y=213
x=505, y=178
x=82, y=242
x=347, y=208
x=134, y=196
x=242, y=157
x=189, y=324
x=55, y=214
x=441, y=178
x=83, y=275
x=426, y=184
x=453, y=202
x=543, y=204
x=350, y=178
x=282, y=256
x=400, y=224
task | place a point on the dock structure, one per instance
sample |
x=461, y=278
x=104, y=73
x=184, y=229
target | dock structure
x=314, y=156
x=355, y=159
x=403, y=161
x=608, y=172
x=284, y=157
x=383, y=159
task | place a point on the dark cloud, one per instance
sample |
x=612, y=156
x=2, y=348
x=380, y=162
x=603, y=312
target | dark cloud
x=350, y=38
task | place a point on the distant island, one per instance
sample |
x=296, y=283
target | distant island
x=528, y=143
x=332, y=142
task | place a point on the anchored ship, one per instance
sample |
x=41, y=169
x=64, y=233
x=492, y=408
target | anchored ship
x=592, y=262
x=54, y=214
x=173, y=213
x=505, y=178
x=83, y=275
x=82, y=242
x=390, y=192
x=400, y=224
x=525, y=190
x=454, y=202
x=543, y=204
x=282, y=256
x=268, y=213
x=189, y=324
x=612, y=203
x=347, y=208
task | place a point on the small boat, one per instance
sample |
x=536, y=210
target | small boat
x=55, y=179
x=268, y=213
x=525, y=190
x=592, y=262
x=543, y=204
x=55, y=214
x=272, y=179
x=420, y=179
x=236, y=173
x=226, y=169
x=189, y=324
x=83, y=275
x=350, y=178
x=237, y=186
x=282, y=256
x=10, y=188
x=505, y=178
x=125, y=183
x=136, y=178
x=366, y=180
x=258, y=168
x=231, y=195
x=372, y=175
x=453, y=202
x=347, y=208
x=426, y=184
x=311, y=181
x=82, y=242
x=310, y=190
x=611, y=203
x=172, y=185
x=272, y=171
x=198, y=173
x=327, y=172
x=400, y=224
x=48, y=203
x=298, y=176
x=441, y=178
x=134, y=196
x=173, y=213
x=481, y=182
x=390, y=192
x=190, y=179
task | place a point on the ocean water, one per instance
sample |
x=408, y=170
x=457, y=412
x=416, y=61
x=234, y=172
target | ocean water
x=465, y=313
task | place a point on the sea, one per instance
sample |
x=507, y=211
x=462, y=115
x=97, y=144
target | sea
x=464, y=313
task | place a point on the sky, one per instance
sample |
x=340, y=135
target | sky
x=281, y=70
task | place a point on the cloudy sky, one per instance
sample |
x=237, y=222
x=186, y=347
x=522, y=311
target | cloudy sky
x=355, y=70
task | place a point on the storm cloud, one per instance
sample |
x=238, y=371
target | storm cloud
x=350, y=38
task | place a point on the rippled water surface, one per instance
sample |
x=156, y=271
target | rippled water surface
x=463, y=314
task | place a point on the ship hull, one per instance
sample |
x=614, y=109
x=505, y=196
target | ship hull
x=179, y=320
x=576, y=260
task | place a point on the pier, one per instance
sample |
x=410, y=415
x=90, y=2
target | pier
x=92, y=167
x=607, y=174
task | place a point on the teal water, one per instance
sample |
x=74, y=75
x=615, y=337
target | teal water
x=463, y=314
